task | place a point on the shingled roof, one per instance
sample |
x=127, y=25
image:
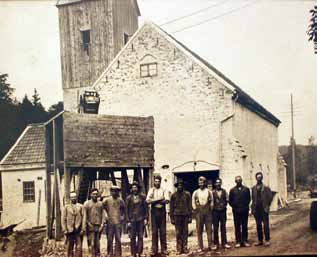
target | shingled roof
x=29, y=148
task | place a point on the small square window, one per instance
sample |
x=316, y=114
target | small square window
x=28, y=191
x=86, y=38
x=125, y=38
x=148, y=70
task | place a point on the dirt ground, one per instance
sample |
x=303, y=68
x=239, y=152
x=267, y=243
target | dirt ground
x=290, y=234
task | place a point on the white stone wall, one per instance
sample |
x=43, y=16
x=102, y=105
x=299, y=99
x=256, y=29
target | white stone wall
x=187, y=103
x=14, y=209
x=259, y=139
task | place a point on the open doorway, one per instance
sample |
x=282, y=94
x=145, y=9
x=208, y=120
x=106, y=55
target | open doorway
x=190, y=178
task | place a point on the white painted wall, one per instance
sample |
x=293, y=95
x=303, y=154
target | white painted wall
x=14, y=209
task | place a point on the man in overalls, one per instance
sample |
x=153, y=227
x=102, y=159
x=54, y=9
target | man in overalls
x=202, y=202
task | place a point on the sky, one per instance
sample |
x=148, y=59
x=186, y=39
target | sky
x=261, y=45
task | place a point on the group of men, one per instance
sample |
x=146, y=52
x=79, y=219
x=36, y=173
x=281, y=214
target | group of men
x=208, y=206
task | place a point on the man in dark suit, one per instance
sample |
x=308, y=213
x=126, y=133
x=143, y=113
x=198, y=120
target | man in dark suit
x=219, y=213
x=239, y=200
x=181, y=216
x=137, y=218
x=261, y=200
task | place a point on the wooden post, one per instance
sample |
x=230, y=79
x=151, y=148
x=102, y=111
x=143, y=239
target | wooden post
x=38, y=209
x=146, y=180
x=58, y=218
x=137, y=176
x=67, y=181
x=48, y=183
x=113, y=179
x=124, y=184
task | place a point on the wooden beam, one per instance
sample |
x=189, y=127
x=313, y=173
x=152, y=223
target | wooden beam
x=58, y=218
x=38, y=209
x=125, y=184
x=67, y=182
x=146, y=179
x=137, y=176
x=48, y=183
x=113, y=179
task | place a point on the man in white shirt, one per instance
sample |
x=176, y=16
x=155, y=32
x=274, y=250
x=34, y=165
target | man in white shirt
x=202, y=201
x=158, y=198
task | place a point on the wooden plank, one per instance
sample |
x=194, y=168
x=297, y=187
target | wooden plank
x=125, y=186
x=67, y=182
x=113, y=179
x=146, y=179
x=48, y=183
x=58, y=220
x=38, y=209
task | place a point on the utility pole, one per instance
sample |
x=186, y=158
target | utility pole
x=293, y=147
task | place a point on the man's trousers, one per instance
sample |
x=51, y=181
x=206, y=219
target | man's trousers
x=74, y=239
x=240, y=219
x=262, y=217
x=203, y=218
x=93, y=237
x=220, y=218
x=158, y=226
x=114, y=231
x=181, y=227
x=136, y=234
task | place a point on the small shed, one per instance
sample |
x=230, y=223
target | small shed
x=23, y=175
x=72, y=152
x=84, y=148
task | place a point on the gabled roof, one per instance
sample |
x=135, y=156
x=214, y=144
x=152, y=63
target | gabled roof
x=29, y=148
x=238, y=94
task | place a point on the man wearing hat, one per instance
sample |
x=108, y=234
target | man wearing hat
x=72, y=219
x=94, y=221
x=181, y=216
x=137, y=218
x=202, y=202
x=115, y=209
x=157, y=197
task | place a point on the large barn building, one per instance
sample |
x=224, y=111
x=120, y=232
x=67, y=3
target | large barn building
x=204, y=123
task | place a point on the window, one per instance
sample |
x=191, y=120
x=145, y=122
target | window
x=28, y=191
x=125, y=38
x=148, y=70
x=86, y=39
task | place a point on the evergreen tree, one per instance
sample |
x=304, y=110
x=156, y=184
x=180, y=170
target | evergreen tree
x=311, y=160
x=6, y=90
x=55, y=109
x=9, y=116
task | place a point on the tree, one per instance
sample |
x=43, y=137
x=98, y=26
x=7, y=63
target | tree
x=6, y=90
x=311, y=160
x=312, y=28
x=55, y=109
x=36, y=99
x=9, y=116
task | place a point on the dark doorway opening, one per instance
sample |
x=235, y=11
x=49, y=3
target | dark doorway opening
x=190, y=178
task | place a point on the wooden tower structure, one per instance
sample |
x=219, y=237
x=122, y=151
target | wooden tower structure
x=92, y=32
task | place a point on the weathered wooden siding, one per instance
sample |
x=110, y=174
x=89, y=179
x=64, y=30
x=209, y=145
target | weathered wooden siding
x=107, y=20
x=125, y=20
x=78, y=68
x=108, y=141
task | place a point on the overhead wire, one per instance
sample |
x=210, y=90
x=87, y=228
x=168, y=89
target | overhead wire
x=217, y=17
x=194, y=13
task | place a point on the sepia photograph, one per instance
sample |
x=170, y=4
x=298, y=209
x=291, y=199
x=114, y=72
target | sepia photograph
x=158, y=128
